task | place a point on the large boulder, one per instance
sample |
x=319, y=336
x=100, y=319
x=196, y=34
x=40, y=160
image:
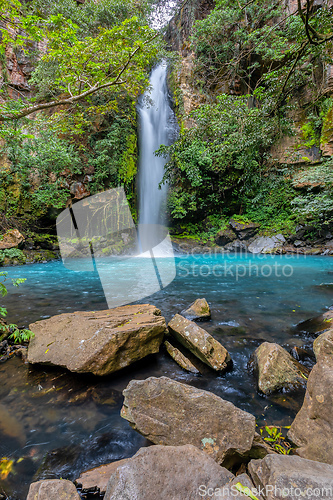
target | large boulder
x=200, y=343
x=11, y=239
x=244, y=230
x=166, y=473
x=276, y=369
x=266, y=244
x=171, y=413
x=198, y=310
x=180, y=358
x=285, y=476
x=312, y=429
x=53, y=489
x=99, y=342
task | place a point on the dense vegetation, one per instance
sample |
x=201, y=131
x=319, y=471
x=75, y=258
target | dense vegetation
x=88, y=79
x=259, y=72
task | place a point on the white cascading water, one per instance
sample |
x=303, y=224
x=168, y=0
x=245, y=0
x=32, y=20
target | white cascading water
x=156, y=126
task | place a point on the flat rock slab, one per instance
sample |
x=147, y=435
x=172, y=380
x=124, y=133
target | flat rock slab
x=198, y=310
x=180, y=359
x=312, y=429
x=53, y=489
x=96, y=480
x=166, y=473
x=291, y=477
x=200, y=343
x=171, y=413
x=99, y=342
x=277, y=370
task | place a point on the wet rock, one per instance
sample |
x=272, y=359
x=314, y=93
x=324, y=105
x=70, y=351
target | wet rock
x=166, y=472
x=266, y=244
x=170, y=413
x=244, y=230
x=99, y=342
x=180, y=358
x=237, y=246
x=295, y=476
x=276, y=369
x=198, y=310
x=318, y=324
x=53, y=489
x=323, y=345
x=312, y=429
x=200, y=343
x=96, y=480
x=224, y=237
x=11, y=239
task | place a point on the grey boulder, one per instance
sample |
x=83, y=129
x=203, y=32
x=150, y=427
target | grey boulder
x=171, y=413
x=166, y=473
x=285, y=476
x=53, y=489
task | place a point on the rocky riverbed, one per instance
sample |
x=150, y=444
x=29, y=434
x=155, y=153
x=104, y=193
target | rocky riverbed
x=200, y=445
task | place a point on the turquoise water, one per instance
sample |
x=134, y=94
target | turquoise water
x=46, y=409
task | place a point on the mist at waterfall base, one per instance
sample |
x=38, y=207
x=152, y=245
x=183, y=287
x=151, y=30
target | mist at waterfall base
x=77, y=417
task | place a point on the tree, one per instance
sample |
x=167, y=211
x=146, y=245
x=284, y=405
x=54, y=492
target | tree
x=113, y=58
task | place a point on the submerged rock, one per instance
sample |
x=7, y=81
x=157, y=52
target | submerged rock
x=312, y=429
x=180, y=358
x=318, y=324
x=168, y=473
x=280, y=475
x=53, y=489
x=198, y=310
x=276, y=369
x=171, y=413
x=200, y=343
x=99, y=342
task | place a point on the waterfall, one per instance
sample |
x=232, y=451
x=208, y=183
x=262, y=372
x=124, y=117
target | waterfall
x=156, y=127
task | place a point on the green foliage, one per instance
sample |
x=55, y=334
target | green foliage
x=18, y=335
x=219, y=158
x=12, y=254
x=274, y=436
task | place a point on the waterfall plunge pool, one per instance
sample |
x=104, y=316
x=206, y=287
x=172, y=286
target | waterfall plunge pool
x=63, y=423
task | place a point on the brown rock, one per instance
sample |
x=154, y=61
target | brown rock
x=323, y=345
x=170, y=413
x=53, y=489
x=180, y=359
x=277, y=369
x=99, y=342
x=11, y=239
x=284, y=476
x=166, y=473
x=200, y=343
x=198, y=310
x=96, y=480
x=312, y=429
x=318, y=324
